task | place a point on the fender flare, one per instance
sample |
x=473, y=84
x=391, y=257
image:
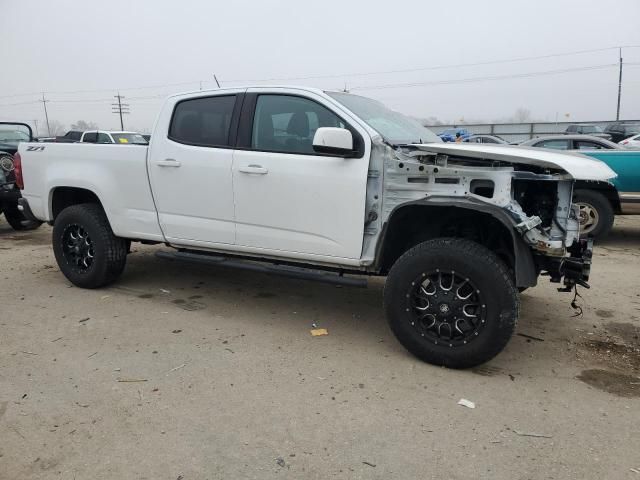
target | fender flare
x=526, y=272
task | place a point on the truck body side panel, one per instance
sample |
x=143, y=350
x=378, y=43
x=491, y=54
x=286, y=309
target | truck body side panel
x=116, y=174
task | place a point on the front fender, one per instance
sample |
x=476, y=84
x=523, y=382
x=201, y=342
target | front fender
x=525, y=270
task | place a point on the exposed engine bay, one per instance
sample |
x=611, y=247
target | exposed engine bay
x=537, y=199
x=531, y=190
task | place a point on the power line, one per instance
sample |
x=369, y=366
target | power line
x=436, y=67
x=336, y=75
x=482, y=79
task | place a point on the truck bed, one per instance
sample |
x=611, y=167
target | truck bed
x=114, y=172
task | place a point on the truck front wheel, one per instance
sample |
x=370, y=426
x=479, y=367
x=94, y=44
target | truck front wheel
x=451, y=302
x=87, y=251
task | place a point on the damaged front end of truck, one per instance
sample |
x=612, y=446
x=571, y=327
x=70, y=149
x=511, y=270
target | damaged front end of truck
x=527, y=191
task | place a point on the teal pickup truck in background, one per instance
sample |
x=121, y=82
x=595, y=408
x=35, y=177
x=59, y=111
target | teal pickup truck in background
x=599, y=202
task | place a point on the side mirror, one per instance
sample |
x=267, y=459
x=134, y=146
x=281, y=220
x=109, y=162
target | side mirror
x=334, y=141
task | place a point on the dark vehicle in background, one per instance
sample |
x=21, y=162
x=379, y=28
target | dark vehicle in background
x=72, y=136
x=449, y=135
x=11, y=134
x=572, y=142
x=485, y=139
x=585, y=129
x=620, y=131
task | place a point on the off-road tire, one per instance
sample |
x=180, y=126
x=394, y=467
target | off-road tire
x=602, y=206
x=480, y=266
x=109, y=251
x=18, y=221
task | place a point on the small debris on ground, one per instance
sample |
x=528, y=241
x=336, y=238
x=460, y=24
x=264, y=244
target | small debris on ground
x=176, y=331
x=531, y=337
x=635, y=470
x=177, y=368
x=132, y=380
x=84, y=320
x=165, y=291
x=531, y=434
x=317, y=332
x=370, y=464
x=466, y=403
x=94, y=353
x=29, y=353
x=104, y=297
x=280, y=461
x=55, y=340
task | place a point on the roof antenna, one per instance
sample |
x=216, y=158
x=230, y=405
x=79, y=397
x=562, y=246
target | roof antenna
x=346, y=90
x=216, y=79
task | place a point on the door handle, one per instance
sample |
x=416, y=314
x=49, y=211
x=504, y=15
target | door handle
x=168, y=162
x=255, y=169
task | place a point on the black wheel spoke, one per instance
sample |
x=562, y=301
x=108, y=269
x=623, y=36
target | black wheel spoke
x=446, y=307
x=77, y=248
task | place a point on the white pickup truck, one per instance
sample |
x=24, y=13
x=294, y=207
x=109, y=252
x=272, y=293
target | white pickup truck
x=317, y=184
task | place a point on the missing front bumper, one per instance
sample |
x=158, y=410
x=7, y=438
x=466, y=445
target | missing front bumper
x=571, y=270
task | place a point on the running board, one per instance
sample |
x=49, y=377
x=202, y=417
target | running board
x=282, y=270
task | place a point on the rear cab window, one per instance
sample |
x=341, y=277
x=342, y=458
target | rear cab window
x=203, y=121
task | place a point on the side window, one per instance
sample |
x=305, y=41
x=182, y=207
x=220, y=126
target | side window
x=75, y=135
x=586, y=145
x=90, y=137
x=572, y=128
x=103, y=138
x=489, y=140
x=287, y=124
x=203, y=121
x=556, y=144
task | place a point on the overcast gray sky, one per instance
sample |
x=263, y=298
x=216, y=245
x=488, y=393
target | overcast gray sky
x=95, y=48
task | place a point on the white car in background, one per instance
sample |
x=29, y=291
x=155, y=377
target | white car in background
x=121, y=137
x=631, y=142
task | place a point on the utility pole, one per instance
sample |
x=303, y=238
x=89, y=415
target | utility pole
x=216, y=79
x=619, y=86
x=120, y=108
x=46, y=115
x=35, y=122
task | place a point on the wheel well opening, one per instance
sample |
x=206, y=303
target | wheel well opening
x=64, y=197
x=604, y=188
x=415, y=224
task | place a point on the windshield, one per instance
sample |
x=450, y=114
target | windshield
x=394, y=127
x=591, y=129
x=13, y=134
x=134, y=138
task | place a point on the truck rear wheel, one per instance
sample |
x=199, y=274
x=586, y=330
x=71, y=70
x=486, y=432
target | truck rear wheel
x=87, y=251
x=451, y=302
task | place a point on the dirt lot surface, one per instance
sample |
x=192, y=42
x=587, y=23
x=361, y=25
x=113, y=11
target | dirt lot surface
x=190, y=372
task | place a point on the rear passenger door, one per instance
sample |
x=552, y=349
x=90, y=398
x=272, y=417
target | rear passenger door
x=189, y=168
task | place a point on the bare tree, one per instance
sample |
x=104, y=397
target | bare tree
x=56, y=128
x=432, y=121
x=522, y=115
x=84, y=125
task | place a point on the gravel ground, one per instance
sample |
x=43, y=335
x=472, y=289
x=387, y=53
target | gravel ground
x=190, y=372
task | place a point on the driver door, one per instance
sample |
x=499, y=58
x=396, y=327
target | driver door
x=289, y=198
